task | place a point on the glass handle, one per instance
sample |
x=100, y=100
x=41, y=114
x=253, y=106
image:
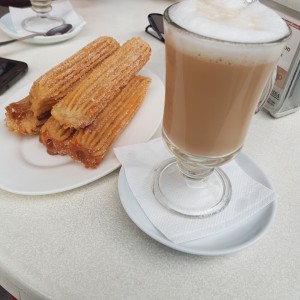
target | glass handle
x=267, y=90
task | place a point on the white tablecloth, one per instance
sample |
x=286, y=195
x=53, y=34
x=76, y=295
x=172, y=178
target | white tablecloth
x=82, y=245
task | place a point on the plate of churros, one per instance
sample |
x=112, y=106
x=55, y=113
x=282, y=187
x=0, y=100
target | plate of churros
x=60, y=131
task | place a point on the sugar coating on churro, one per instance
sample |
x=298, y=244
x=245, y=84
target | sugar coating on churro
x=51, y=87
x=89, y=145
x=80, y=107
x=60, y=80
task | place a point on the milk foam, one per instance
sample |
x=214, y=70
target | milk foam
x=230, y=20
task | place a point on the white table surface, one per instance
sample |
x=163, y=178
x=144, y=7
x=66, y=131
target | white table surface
x=81, y=244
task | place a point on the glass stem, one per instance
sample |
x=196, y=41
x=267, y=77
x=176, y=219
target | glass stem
x=193, y=171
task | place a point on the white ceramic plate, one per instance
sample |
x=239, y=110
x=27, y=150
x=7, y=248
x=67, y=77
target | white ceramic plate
x=226, y=242
x=8, y=28
x=27, y=169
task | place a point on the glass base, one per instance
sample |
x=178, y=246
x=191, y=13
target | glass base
x=191, y=197
x=39, y=24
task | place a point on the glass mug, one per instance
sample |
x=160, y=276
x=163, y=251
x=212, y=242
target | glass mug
x=210, y=99
x=42, y=21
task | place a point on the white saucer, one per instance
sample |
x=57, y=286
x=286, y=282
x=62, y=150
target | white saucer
x=229, y=241
x=7, y=27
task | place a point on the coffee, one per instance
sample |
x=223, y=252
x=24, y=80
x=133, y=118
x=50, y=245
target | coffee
x=213, y=86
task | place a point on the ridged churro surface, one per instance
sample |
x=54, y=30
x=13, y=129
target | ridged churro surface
x=60, y=80
x=81, y=106
x=55, y=137
x=89, y=145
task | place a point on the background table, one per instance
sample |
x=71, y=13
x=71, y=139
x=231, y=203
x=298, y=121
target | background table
x=81, y=244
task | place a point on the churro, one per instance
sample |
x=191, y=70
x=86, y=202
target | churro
x=81, y=106
x=27, y=116
x=89, y=145
x=55, y=84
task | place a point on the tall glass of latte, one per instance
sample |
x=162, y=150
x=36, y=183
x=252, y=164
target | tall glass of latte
x=219, y=57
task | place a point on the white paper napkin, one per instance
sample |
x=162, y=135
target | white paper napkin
x=60, y=8
x=248, y=196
